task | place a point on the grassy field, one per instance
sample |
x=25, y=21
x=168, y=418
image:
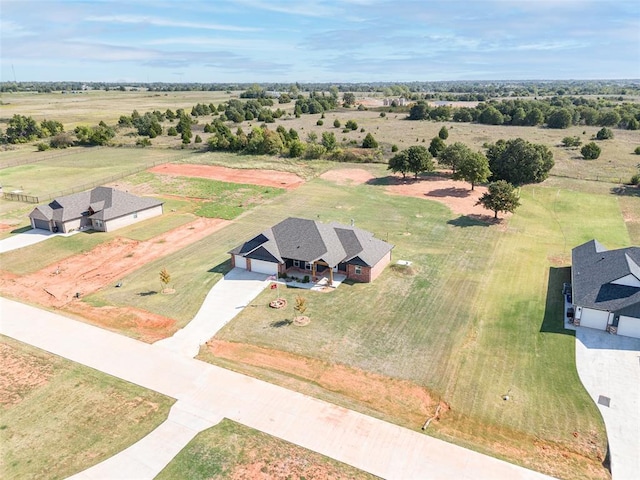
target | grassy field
x=230, y=450
x=219, y=199
x=58, y=418
x=89, y=108
x=83, y=169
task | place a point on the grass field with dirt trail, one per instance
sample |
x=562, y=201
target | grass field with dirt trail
x=58, y=417
x=231, y=450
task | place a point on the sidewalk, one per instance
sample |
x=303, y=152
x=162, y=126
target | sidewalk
x=210, y=392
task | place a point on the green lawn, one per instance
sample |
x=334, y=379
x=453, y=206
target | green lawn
x=59, y=418
x=231, y=450
x=220, y=199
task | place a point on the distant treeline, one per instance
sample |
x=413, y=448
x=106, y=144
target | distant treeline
x=555, y=112
x=446, y=90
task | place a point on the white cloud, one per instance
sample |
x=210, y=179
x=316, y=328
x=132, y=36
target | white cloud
x=11, y=29
x=165, y=22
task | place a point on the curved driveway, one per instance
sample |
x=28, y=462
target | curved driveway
x=208, y=393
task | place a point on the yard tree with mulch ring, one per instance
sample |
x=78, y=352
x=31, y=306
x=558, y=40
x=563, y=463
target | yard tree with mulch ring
x=165, y=278
x=500, y=197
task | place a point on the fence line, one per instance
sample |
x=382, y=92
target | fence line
x=597, y=178
x=38, y=158
x=86, y=186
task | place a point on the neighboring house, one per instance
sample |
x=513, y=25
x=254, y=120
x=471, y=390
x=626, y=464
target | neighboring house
x=104, y=209
x=315, y=248
x=606, y=288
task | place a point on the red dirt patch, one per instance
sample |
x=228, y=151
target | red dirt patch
x=348, y=176
x=398, y=398
x=19, y=374
x=268, y=178
x=456, y=195
x=56, y=285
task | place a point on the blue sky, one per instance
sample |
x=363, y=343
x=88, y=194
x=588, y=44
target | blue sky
x=318, y=40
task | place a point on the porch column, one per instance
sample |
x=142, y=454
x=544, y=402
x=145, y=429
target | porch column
x=313, y=270
x=330, y=276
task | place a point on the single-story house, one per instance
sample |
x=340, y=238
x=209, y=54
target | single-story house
x=315, y=248
x=606, y=288
x=104, y=209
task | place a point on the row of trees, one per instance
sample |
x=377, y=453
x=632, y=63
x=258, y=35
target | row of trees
x=555, y=113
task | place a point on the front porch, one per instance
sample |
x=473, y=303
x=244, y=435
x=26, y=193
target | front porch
x=323, y=282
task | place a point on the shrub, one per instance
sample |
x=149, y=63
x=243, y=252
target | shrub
x=320, y=122
x=61, y=140
x=314, y=151
x=571, y=142
x=637, y=151
x=198, y=139
x=43, y=146
x=306, y=279
x=635, y=180
x=351, y=125
x=394, y=148
x=590, y=151
x=143, y=142
x=336, y=123
x=172, y=132
x=382, y=114
x=604, y=134
x=369, y=142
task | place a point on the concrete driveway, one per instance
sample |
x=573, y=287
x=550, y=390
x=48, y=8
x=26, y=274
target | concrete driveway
x=224, y=301
x=208, y=392
x=609, y=368
x=30, y=237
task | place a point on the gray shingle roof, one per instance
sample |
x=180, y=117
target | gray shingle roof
x=106, y=204
x=595, y=269
x=310, y=241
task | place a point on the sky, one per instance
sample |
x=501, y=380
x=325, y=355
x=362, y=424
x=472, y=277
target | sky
x=247, y=41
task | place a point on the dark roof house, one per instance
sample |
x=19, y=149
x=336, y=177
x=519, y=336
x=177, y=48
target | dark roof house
x=606, y=287
x=314, y=246
x=102, y=208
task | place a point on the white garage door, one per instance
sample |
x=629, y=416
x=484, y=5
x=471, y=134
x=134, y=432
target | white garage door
x=629, y=326
x=240, y=262
x=594, y=319
x=260, y=266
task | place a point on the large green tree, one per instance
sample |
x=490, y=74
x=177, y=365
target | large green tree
x=419, y=160
x=473, y=168
x=501, y=196
x=21, y=129
x=453, y=154
x=399, y=163
x=519, y=162
x=348, y=99
x=560, y=118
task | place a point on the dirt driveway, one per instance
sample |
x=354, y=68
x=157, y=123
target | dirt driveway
x=268, y=178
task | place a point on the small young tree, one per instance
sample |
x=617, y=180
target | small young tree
x=501, y=197
x=436, y=146
x=443, y=133
x=301, y=306
x=473, y=168
x=165, y=278
x=590, y=151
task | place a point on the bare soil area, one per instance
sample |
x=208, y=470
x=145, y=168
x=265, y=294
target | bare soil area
x=399, y=398
x=57, y=285
x=19, y=374
x=456, y=195
x=267, y=178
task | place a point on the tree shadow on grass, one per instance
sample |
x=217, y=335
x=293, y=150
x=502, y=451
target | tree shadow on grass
x=147, y=294
x=281, y=323
x=223, y=268
x=626, y=191
x=553, y=321
x=469, y=221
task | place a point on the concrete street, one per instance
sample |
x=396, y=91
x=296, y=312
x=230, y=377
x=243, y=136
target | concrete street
x=207, y=393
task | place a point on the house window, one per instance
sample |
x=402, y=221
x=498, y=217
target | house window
x=357, y=270
x=98, y=223
x=307, y=266
x=296, y=263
